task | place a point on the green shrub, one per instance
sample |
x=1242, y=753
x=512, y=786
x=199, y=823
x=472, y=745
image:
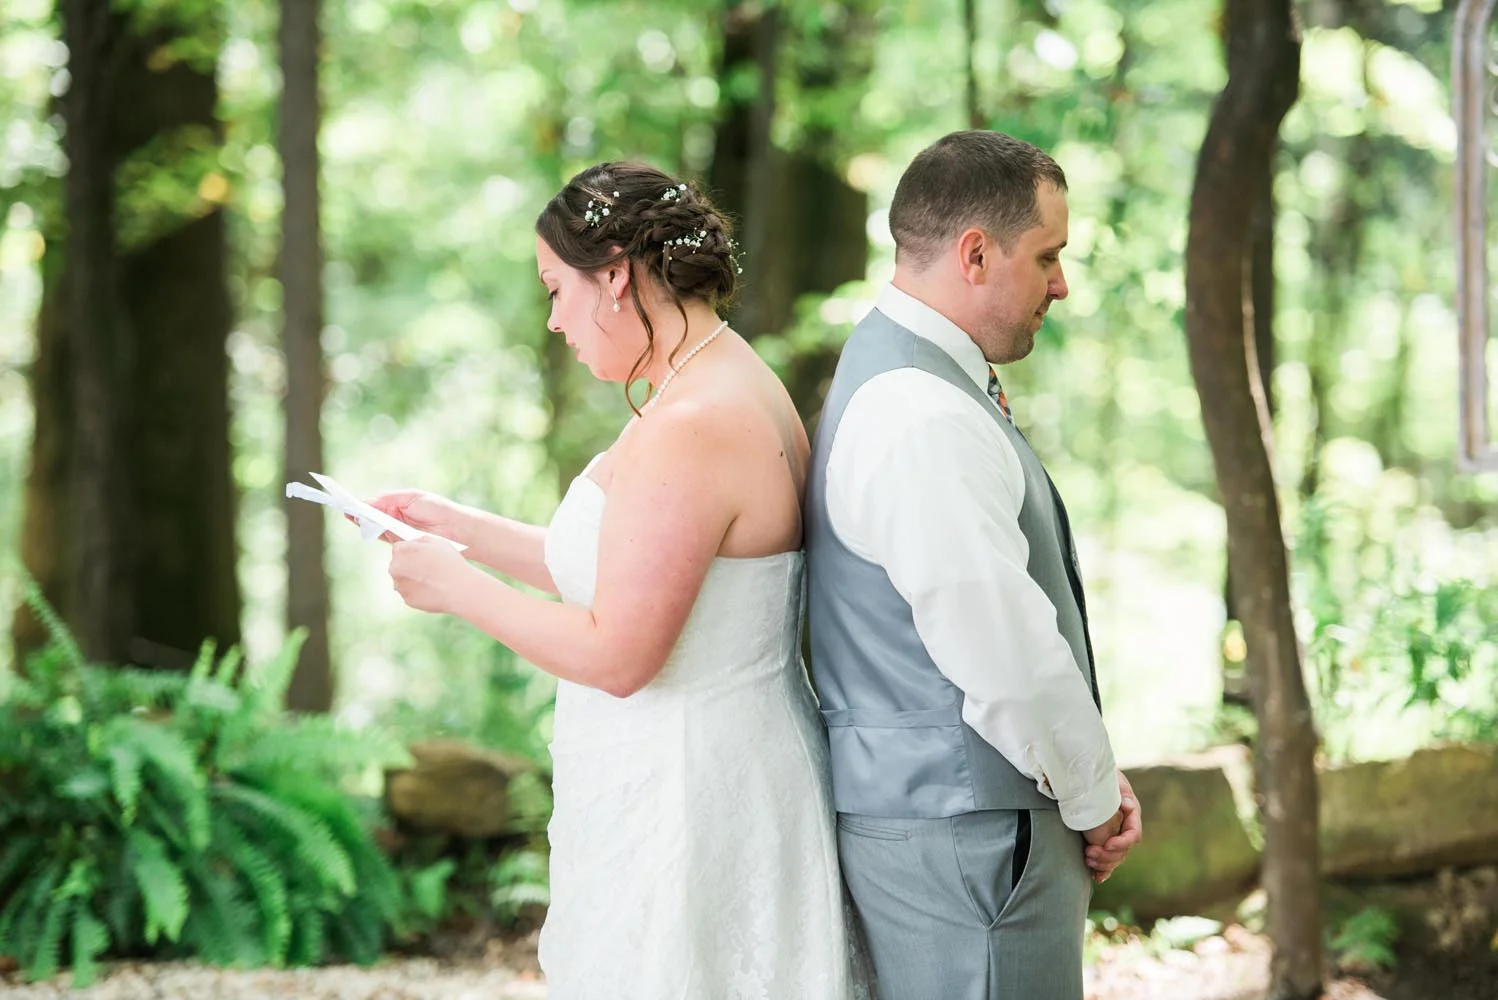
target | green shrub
x=1384, y=634
x=147, y=812
x=1365, y=941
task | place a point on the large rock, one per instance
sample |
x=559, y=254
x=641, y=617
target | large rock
x=1195, y=851
x=455, y=788
x=1435, y=809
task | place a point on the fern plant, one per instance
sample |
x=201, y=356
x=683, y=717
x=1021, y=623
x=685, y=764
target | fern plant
x=145, y=812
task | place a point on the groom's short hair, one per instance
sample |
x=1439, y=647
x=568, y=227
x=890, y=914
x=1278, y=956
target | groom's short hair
x=973, y=178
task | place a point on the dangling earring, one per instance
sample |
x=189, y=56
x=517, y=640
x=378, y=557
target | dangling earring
x=616, y=304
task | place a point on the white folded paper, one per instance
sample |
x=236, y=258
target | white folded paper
x=372, y=522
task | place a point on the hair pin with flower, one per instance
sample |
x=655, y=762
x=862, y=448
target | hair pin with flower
x=597, y=209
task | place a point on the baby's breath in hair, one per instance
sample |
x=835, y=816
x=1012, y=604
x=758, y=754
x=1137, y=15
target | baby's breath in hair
x=658, y=227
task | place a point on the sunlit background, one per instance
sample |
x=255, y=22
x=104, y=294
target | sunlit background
x=448, y=124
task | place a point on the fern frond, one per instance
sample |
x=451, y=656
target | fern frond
x=429, y=887
x=520, y=879
x=319, y=744
x=124, y=771
x=308, y=935
x=125, y=689
x=312, y=842
x=379, y=885
x=266, y=883
x=209, y=698
x=204, y=663
x=173, y=761
x=161, y=886
x=121, y=901
x=380, y=891
x=20, y=846
x=357, y=933
x=530, y=801
x=46, y=954
x=90, y=940
x=379, y=894
x=52, y=623
x=228, y=666
x=267, y=681
x=222, y=928
x=512, y=897
x=23, y=917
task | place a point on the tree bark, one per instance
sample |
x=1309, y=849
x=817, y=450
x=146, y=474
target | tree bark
x=744, y=177
x=92, y=310
x=129, y=501
x=802, y=223
x=300, y=272
x=1234, y=166
x=1259, y=301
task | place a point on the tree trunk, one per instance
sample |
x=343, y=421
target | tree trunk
x=744, y=175
x=129, y=502
x=802, y=223
x=1234, y=166
x=92, y=311
x=301, y=265
x=1259, y=299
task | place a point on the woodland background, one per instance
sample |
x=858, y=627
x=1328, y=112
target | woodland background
x=339, y=276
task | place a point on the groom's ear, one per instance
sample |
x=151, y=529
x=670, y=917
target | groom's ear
x=973, y=250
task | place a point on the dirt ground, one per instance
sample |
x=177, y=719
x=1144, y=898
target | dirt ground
x=1233, y=965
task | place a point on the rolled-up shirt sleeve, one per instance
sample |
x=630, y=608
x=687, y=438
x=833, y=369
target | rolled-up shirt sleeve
x=922, y=481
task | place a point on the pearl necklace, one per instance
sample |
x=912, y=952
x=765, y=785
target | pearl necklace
x=676, y=369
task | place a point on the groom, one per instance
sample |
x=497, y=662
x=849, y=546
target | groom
x=975, y=786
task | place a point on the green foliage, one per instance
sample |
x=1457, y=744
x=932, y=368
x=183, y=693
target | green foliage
x=1385, y=635
x=428, y=888
x=520, y=879
x=1365, y=941
x=183, y=814
x=166, y=183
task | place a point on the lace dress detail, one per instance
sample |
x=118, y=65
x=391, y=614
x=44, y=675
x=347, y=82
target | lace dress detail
x=693, y=851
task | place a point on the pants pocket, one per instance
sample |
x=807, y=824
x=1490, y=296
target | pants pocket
x=992, y=850
x=858, y=826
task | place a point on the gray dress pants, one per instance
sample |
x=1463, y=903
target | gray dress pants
x=980, y=906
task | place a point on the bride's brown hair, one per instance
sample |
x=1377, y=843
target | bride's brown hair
x=656, y=226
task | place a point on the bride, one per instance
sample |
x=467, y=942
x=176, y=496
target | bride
x=693, y=844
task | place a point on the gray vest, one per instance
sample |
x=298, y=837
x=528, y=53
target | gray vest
x=899, y=745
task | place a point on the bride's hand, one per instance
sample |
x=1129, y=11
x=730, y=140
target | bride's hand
x=428, y=574
x=420, y=509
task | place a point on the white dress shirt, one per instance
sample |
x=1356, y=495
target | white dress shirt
x=925, y=483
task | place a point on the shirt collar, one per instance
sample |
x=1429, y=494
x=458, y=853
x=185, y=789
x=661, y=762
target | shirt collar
x=928, y=324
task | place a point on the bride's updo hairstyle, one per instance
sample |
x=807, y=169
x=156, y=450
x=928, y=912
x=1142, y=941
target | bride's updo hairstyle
x=655, y=225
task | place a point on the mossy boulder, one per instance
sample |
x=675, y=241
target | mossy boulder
x=1435, y=809
x=455, y=788
x=1196, y=852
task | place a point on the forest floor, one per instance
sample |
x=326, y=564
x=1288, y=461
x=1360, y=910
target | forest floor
x=1233, y=965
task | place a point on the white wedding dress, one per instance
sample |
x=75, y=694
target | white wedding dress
x=693, y=852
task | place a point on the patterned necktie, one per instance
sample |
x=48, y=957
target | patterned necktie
x=996, y=393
